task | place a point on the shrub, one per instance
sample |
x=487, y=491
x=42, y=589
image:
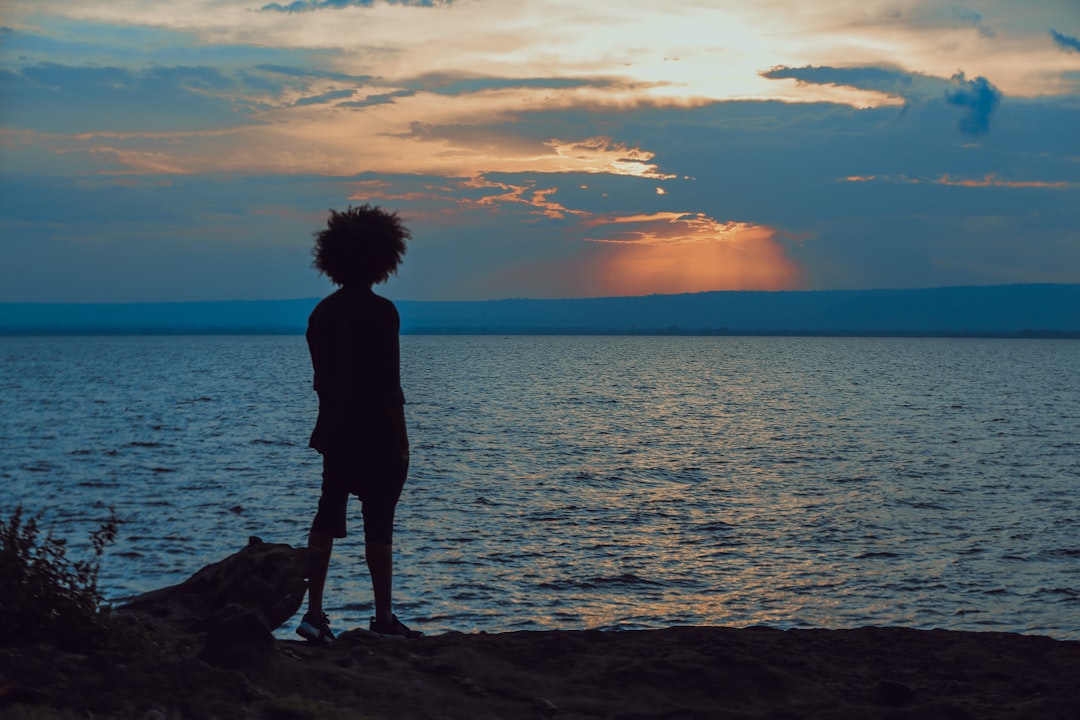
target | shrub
x=44, y=596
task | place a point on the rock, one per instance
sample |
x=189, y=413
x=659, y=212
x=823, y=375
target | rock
x=265, y=580
x=236, y=636
x=19, y=695
x=546, y=705
x=236, y=624
x=894, y=693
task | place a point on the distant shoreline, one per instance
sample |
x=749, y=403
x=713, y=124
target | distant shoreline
x=995, y=311
x=553, y=332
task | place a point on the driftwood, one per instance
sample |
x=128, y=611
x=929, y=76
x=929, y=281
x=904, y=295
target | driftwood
x=238, y=601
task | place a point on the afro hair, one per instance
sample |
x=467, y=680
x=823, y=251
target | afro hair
x=360, y=246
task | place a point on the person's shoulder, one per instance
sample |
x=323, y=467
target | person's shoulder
x=326, y=305
x=386, y=312
x=385, y=303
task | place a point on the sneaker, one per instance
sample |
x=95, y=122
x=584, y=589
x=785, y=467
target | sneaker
x=315, y=629
x=393, y=629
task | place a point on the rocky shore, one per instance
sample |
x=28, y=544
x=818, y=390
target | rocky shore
x=681, y=672
x=202, y=650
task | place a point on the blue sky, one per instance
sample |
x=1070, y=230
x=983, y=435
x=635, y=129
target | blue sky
x=167, y=151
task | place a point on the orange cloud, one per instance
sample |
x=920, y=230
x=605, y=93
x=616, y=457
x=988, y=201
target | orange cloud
x=529, y=195
x=677, y=253
x=988, y=180
x=601, y=155
x=992, y=180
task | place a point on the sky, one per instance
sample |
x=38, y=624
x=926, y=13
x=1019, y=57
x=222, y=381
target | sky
x=187, y=150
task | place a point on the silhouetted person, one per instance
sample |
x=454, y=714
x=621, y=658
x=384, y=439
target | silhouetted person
x=360, y=431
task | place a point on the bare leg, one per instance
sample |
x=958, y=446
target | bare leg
x=380, y=562
x=321, y=545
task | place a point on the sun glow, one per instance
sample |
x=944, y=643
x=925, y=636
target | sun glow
x=691, y=252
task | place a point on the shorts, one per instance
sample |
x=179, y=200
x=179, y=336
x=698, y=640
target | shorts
x=376, y=480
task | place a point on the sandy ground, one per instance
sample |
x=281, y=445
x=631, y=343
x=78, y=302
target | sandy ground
x=682, y=672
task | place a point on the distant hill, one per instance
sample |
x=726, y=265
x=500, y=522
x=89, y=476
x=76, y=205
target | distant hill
x=999, y=310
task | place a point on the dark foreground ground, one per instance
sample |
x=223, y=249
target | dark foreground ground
x=677, y=673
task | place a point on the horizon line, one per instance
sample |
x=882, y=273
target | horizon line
x=548, y=299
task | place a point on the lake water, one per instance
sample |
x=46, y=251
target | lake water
x=591, y=482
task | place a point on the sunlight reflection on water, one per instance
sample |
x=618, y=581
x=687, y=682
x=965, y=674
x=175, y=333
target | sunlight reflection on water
x=570, y=482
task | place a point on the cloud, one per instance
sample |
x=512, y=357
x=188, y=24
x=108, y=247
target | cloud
x=309, y=73
x=446, y=84
x=378, y=99
x=324, y=97
x=602, y=155
x=980, y=99
x=309, y=5
x=891, y=81
x=986, y=181
x=1066, y=43
x=975, y=20
x=526, y=194
x=62, y=98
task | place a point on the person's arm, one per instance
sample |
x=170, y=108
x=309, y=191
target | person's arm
x=397, y=411
x=401, y=434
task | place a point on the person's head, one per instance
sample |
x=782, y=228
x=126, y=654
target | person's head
x=361, y=246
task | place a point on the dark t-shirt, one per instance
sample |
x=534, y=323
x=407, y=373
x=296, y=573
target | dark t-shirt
x=352, y=336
